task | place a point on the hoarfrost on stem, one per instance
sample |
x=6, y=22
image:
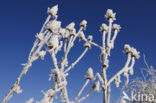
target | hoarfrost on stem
x=52, y=38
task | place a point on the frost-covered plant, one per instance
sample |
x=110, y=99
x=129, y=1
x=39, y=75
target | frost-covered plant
x=55, y=38
x=145, y=85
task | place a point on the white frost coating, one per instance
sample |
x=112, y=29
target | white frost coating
x=73, y=32
x=90, y=38
x=90, y=74
x=53, y=26
x=80, y=92
x=131, y=71
x=82, y=36
x=132, y=50
x=54, y=42
x=117, y=81
x=104, y=27
x=116, y=27
x=54, y=37
x=83, y=24
x=110, y=15
x=70, y=27
x=66, y=35
x=87, y=45
x=53, y=11
x=85, y=97
x=88, y=42
x=62, y=32
x=31, y=100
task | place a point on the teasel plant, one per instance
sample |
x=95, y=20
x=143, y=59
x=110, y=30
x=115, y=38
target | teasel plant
x=53, y=38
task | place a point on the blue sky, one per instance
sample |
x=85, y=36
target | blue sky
x=20, y=20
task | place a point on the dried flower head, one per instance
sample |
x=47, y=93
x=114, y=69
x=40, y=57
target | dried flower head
x=66, y=34
x=62, y=32
x=83, y=24
x=110, y=15
x=70, y=27
x=135, y=53
x=81, y=35
x=132, y=51
x=90, y=74
x=116, y=27
x=53, y=26
x=87, y=45
x=103, y=28
x=53, y=42
x=90, y=38
x=53, y=11
x=73, y=32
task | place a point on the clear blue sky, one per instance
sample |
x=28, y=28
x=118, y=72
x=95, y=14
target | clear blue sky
x=20, y=20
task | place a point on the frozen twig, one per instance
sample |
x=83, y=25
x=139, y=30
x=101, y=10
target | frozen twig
x=122, y=70
x=83, y=98
x=86, y=83
x=77, y=60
